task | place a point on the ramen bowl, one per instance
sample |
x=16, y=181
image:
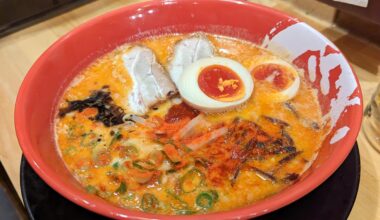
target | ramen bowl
x=323, y=64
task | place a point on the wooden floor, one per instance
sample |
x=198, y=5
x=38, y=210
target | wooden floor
x=18, y=51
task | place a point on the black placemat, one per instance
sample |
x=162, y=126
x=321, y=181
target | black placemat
x=332, y=200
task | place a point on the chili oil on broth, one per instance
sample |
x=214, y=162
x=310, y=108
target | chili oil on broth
x=101, y=157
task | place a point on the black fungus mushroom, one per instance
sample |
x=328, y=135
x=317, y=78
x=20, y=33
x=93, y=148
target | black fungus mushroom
x=108, y=112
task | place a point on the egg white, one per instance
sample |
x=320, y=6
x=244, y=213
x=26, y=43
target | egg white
x=191, y=93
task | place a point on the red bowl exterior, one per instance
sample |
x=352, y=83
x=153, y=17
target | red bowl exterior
x=52, y=72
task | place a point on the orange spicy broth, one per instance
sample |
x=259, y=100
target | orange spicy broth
x=111, y=162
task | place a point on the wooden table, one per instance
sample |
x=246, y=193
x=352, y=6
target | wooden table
x=19, y=50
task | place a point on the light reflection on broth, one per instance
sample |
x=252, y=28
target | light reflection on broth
x=151, y=163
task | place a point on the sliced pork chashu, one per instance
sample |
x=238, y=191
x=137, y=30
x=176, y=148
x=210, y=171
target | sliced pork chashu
x=188, y=51
x=151, y=84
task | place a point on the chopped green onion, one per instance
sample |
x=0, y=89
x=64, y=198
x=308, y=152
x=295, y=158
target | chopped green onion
x=214, y=194
x=122, y=188
x=69, y=150
x=131, y=150
x=149, y=202
x=156, y=158
x=170, y=141
x=116, y=136
x=177, y=203
x=115, y=165
x=158, y=141
x=89, y=139
x=143, y=165
x=204, y=200
x=70, y=131
x=191, y=180
x=171, y=171
x=130, y=196
x=91, y=189
x=186, y=148
x=185, y=212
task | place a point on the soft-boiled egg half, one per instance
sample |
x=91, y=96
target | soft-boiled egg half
x=280, y=80
x=215, y=84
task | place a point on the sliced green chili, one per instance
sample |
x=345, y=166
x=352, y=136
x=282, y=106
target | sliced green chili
x=149, y=202
x=191, y=180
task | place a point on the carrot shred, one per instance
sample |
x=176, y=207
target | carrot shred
x=262, y=138
x=103, y=158
x=141, y=176
x=202, y=140
x=181, y=164
x=170, y=129
x=172, y=153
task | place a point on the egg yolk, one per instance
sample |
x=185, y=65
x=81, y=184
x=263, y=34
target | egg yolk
x=221, y=83
x=277, y=75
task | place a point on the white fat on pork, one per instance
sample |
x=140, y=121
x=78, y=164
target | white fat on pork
x=151, y=83
x=188, y=51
